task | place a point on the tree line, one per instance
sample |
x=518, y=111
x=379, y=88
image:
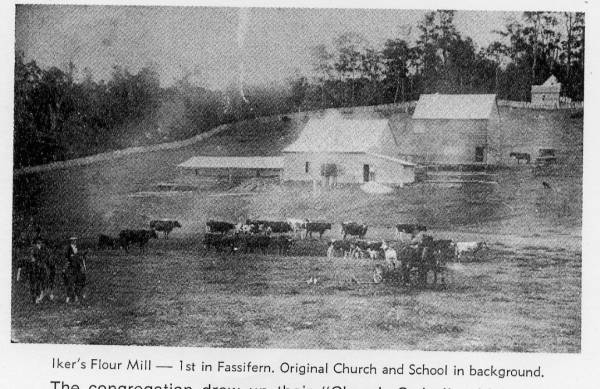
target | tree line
x=57, y=117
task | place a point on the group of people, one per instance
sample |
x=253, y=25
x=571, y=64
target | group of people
x=41, y=266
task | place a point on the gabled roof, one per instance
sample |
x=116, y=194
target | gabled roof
x=454, y=106
x=335, y=134
x=202, y=162
x=551, y=81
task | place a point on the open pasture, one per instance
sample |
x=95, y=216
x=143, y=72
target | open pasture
x=525, y=300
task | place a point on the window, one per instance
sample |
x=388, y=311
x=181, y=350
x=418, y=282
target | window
x=307, y=167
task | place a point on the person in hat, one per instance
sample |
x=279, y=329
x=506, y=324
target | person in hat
x=74, y=272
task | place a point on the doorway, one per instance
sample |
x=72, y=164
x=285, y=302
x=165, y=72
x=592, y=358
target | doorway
x=366, y=173
x=479, y=154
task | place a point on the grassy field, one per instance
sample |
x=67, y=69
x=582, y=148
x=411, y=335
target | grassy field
x=523, y=295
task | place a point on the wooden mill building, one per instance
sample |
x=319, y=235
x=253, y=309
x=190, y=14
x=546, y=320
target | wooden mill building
x=334, y=149
x=449, y=129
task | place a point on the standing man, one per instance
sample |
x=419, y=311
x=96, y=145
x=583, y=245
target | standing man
x=74, y=272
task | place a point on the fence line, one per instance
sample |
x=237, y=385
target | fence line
x=405, y=106
x=111, y=155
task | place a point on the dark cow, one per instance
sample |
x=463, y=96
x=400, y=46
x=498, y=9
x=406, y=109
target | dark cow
x=354, y=229
x=107, y=242
x=410, y=228
x=166, y=226
x=520, y=157
x=319, y=227
x=220, y=242
x=141, y=237
x=213, y=226
x=253, y=243
x=74, y=276
x=344, y=247
x=282, y=244
x=371, y=248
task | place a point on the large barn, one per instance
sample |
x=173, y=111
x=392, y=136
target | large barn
x=449, y=129
x=338, y=150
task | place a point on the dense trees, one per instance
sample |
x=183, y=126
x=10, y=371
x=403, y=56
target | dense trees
x=56, y=117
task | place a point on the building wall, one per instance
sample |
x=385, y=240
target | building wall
x=549, y=99
x=350, y=168
x=448, y=141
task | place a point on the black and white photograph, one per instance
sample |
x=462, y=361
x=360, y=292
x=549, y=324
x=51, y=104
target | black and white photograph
x=298, y=178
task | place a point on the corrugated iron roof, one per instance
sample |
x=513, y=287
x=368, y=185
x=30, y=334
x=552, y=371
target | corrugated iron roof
x=454, y=106
x=202, y=162
x=335, y=134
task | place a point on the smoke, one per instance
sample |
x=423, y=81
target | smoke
x=243, y=20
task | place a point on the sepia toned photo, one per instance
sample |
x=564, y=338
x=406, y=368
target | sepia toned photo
x=304, y=178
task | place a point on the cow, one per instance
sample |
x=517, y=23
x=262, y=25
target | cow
x=141, y=237
x=298, y=226
x=462, y=248
x=74, y=276
x=253, y=243
x=105, y=241
x=354, y=229
x=319, y=227
x=520, y=157
x=344, y=247
x=410, y=229
x=371, y=248
x=166, y=226
x=277, y=227
x=213, y=226
x=282, y=244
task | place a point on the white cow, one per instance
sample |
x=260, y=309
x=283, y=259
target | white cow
x=468, y=247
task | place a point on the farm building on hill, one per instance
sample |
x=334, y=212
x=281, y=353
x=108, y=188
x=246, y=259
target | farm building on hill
x=233, y=166
x=449, y=129
x=338, y=150
x=547, y=94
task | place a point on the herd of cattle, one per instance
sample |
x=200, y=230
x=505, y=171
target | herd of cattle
x=412, y=255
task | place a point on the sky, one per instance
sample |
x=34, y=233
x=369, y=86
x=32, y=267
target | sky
x=216, y=45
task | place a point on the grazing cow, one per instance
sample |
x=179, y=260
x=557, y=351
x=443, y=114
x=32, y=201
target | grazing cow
x=520, y=157
x=354, y=229
x=319, y=227
x=344, y=247
x=298, y=226
x=106, y=242
x=166, y=226
x=213, y=226
x=220, y=243
x=141, y=237
x=241, y=228
x=473, y=248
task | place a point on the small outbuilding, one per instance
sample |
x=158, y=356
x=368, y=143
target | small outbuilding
x=449, y=129
x=546, y=95
x=334, y=149
x=233, y=166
